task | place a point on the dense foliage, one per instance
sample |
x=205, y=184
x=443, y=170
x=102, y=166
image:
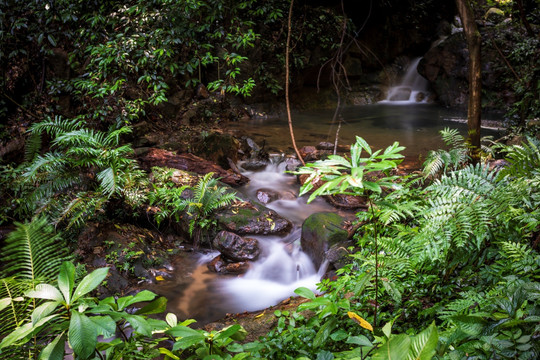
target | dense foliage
x=446, y=263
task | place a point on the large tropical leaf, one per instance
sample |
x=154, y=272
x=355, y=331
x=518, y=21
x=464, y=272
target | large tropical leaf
x=82, y=335
x=423, y=345
x=395, y=348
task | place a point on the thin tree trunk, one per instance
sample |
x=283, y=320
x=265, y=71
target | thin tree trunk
x=287, y=102
x=474, y=42
x=523, y=17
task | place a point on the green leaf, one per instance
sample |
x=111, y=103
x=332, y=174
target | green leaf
x=139, y=324
x=82, y=335
x=324, y=332
x=188, y=341
x=47, y=292
x=227, y=332
x=325, y=355
x=105, y=325
x=182, y=331
x=19, y=333
x=235, y=347
x=360, y=340
x=423, y=345
x=171, y=319
x=4, y=303
x=55, y=350
x=155, y=307
x=168, y=353
x=90, y=282
x=361, y=142
x=305, y=292
x=43, y=310
x=66, y=279
x=387, y=329
x=393, y=349
x=126, y=301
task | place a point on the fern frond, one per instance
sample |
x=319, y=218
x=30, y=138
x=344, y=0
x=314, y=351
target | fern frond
x=83, y=205
x=109, y=180
x=453, y=138
x=32, y=146
x=80, y=137
x=52, y=162
x=33, y=251
x=524, y=159
x=56, y=126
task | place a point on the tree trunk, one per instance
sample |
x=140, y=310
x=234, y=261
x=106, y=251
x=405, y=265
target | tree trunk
x=474, y=42
x=287, y=102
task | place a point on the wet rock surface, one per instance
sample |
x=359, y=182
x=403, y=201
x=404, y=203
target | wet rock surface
x=252, y=218
x=320, y=232
x=236, y=248
x=266, y=196
x=222, y=266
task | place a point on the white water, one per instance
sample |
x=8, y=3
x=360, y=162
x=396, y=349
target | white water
x=412, y=89
x=282, y=267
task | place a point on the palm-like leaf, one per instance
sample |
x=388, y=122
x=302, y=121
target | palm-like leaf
x=33, y=251
x=16, y=308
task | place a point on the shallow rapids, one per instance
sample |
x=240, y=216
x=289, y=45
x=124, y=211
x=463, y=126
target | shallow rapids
x=281, y=268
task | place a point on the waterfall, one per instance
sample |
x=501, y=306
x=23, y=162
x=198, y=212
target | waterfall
x=412, y=89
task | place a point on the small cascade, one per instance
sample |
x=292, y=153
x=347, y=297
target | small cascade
x=411, y=90
x=271, y=279
x=283, y=266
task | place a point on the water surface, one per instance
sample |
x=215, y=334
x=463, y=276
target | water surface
x=415, y=126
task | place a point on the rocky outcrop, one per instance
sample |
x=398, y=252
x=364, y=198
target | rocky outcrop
x=217, y=147
x=131, y=253
x=325, y=237
x=189, y=162
x=445, y=66
x=236, y=248
x=252, y=218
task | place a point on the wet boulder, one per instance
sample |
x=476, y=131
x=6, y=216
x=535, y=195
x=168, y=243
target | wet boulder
x=221, y=266
x=247, y=217
x=217, y=147
x=254, y=164
x=325, y=145
x=266, y=196
x=235, y=247
x=309, y=153
x=324, y=234
x=292, y=163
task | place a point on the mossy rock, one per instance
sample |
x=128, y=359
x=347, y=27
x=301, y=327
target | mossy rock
x=321, y=232
x=248, y=217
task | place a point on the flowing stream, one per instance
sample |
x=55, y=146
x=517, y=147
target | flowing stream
x=198, y=293
x=282, y=267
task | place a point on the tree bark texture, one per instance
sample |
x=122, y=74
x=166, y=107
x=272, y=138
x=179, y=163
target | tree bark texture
x=474, y=42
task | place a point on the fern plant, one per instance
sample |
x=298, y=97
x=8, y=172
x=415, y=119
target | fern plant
x=196, y=203
x=82, y=171
x=523, y=159
x=439, y=162
x=32, y=252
